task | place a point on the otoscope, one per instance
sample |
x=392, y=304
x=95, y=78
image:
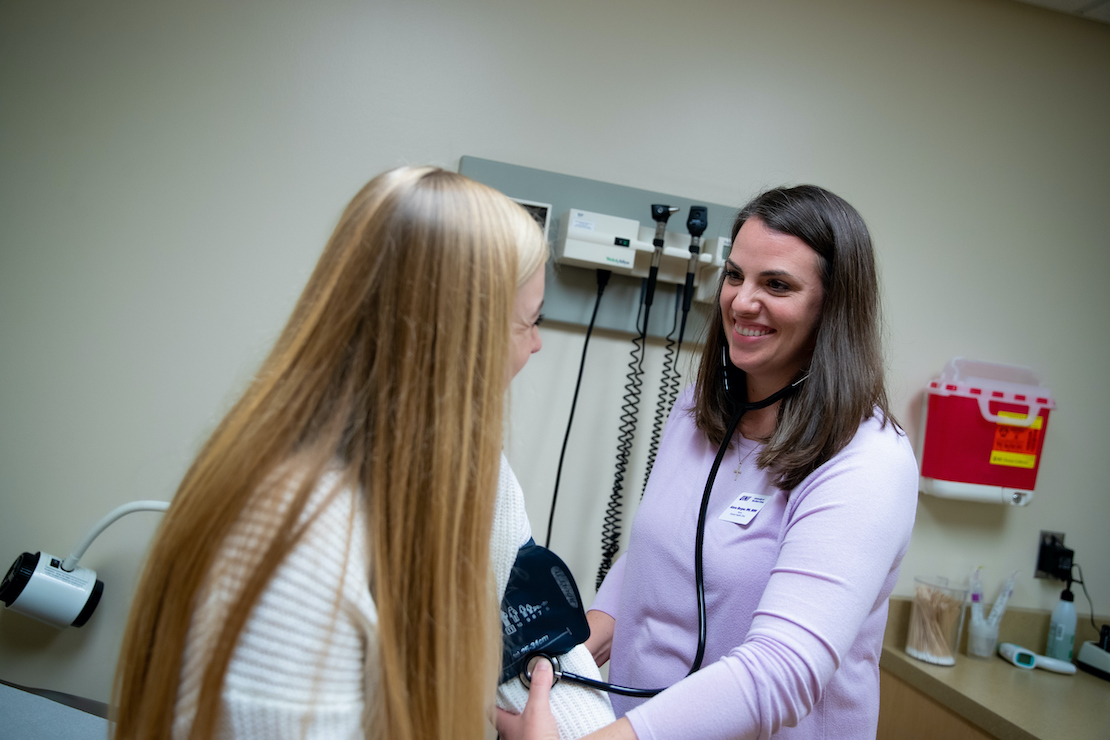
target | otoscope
x=695, y=224
x=661, y=214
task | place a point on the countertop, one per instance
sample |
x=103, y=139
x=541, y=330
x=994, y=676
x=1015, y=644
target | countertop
x=1002, y=699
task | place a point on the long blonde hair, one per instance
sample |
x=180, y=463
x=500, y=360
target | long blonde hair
x=393, y=366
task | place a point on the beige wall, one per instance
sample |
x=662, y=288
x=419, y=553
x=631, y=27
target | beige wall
x=168, y=175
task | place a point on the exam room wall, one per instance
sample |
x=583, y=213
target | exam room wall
x=169, y=173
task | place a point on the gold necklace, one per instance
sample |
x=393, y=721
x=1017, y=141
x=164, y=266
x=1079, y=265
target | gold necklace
x=742, y=460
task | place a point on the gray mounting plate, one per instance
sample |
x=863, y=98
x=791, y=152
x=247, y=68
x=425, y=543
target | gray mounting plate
x=571, y=291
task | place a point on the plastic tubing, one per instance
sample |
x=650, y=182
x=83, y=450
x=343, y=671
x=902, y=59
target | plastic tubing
x=71, y=562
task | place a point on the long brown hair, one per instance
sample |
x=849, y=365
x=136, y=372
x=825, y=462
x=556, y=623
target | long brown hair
x=845, y=383
x=393, y=368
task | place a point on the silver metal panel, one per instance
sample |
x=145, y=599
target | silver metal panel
x=571, y=291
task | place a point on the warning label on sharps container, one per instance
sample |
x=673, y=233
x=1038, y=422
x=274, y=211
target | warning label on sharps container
x=1015, y=446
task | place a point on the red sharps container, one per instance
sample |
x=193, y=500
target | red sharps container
x=982, y=430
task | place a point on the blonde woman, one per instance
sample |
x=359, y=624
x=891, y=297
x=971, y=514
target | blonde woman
x=324, y=569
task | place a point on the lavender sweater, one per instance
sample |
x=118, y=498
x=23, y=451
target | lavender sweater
x=796, y=598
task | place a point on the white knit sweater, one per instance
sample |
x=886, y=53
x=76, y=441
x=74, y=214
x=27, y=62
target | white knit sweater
x=578, y=710
x=305, y=663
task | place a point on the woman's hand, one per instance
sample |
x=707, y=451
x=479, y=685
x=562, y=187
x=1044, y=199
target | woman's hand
x=537, y=722
x=601, y=635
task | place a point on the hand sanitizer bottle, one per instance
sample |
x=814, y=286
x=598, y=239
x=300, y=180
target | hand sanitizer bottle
x=1061, y=630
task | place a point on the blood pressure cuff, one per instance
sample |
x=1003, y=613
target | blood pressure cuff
x=541, y=610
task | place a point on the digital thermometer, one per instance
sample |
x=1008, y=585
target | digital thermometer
x=1023, y=658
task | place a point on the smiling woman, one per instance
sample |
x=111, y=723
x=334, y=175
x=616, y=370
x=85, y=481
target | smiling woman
x=801, y=549
x=822, y=244
x=770, y=305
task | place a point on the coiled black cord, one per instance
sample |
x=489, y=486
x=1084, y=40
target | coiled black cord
x=685, y=313
x=687, y=292
x=668, y=391
x=675, y=376
x=602, y=280
x=611, y=525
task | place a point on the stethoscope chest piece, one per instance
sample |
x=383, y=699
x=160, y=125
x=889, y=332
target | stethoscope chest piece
x=530, y=663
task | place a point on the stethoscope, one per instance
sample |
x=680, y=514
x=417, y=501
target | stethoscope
x=699, y=573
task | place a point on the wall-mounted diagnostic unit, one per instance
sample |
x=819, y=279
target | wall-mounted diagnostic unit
x=598, y=241
x=614, y=214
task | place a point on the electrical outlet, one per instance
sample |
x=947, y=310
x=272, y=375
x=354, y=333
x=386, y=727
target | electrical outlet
x=1053, y=559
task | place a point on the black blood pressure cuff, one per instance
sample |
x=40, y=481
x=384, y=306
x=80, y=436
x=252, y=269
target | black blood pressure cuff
x=541, y=610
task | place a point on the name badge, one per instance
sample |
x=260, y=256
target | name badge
x=744, y=508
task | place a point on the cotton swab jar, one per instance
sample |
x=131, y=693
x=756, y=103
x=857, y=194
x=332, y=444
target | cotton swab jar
x=936, y=621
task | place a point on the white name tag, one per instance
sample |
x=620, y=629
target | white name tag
x=744, y=508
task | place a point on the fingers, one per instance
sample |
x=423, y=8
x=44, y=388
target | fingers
x=542, y=679
x=509, y=726
x=537, y=722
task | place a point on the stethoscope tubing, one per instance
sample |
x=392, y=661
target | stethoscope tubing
x=557, y=669
x=699, y=570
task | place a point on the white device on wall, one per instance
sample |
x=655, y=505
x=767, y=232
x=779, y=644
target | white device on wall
x=37, y=587
x=598, y=241
x=59, y=592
